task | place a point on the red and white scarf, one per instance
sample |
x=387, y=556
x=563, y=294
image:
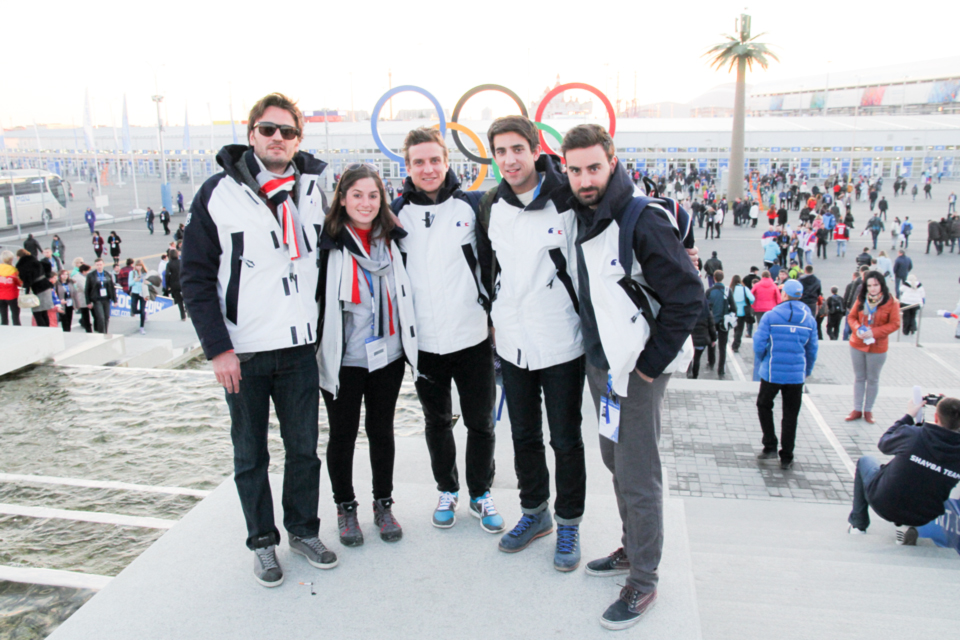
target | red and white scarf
x=276, y=188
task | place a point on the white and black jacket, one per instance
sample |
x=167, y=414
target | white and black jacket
x=336, y=286
x=443, y=265
x=625, y=328
x=241, y=288
x=535, y=308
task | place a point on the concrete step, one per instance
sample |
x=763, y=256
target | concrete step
x=433, y=583
x=25, y=345
x=92, y=349
x=146, y=353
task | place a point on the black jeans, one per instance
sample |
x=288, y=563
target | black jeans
x=792, y=397
x=85, y=320
x=101, y=315
x=695, y=365
x=562, y=387
x=738, y=332
x=472, y=370
x=42, y=318
x=66, y=318
x=833, y=325
x=138, y=306
x=721, y=347
x=291, y=379
x=377, y=391
x=14, y=312
x=178, y=299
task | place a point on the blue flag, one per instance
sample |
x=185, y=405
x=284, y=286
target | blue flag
x=125, y=125
x=186, y=128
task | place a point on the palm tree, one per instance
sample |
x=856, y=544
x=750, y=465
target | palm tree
x=741, y=51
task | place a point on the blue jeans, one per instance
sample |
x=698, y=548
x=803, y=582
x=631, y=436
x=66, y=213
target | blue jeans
x=290, y=378
x=562, y=387
x=867, y=469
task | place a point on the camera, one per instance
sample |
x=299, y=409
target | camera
x=932, y=399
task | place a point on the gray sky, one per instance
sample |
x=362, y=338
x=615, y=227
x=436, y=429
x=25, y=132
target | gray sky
x=197, y=52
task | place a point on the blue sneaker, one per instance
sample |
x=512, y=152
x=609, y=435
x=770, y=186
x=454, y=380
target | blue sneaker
x=483, y=508
x=445, y=515
x=567, y=555
x=530, y=527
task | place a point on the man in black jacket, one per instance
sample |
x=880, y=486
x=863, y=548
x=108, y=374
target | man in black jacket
x=100, y=291
x=911, y=488
x=712, y=264
x=812, y=289
x=639, y=357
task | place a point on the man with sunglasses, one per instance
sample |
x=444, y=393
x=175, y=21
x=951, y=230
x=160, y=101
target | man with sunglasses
x=249, y=277
x=451, y=306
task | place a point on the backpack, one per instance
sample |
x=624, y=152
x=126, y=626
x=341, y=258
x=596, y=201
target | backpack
x=834, y=305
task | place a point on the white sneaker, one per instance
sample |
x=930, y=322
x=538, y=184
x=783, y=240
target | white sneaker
x=852, y=530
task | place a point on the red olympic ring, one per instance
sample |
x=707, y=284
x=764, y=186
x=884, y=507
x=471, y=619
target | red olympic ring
x=574, y=85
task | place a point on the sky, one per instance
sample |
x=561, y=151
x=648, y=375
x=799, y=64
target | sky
x=200, y=55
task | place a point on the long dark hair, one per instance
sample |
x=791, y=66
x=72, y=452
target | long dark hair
x=884, y=289
x=337, y=217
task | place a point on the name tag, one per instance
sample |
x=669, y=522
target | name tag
x=68, y=303
x=376, y=353
x=103, y=292
x=609, y=418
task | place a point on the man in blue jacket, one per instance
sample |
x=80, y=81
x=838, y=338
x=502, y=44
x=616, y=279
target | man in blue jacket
x=785, y=350
x=910, y=489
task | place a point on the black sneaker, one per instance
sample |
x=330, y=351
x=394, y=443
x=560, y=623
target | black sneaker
x=314, y=551
x=390, y=530
x=767, y=454
x=613, y=565
x=907, y=536
x=350, y=533
x=266, y=569
x=628, y=608
x=786, y=465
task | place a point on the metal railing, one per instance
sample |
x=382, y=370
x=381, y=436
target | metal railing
x=918, y=307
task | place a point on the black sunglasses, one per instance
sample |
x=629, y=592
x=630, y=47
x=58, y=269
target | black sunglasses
x=267, y=129
x=357, y=165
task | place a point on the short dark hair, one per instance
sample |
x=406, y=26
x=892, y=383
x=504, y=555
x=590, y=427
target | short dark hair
x=754, y=269
x=423, y=135
x=275, y=100
x=808, y=268
x=129, y=262
x=84, y=268
x=764, y=274
x=948, y=412
x=834, y=289
x=863, y=269
x=515, y=124
x=718, y=276
x=584, y=136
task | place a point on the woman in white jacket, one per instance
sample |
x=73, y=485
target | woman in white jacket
x=366, y=334
x=911, y=293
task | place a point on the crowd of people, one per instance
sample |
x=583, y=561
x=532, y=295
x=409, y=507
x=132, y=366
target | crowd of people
x=38, y=278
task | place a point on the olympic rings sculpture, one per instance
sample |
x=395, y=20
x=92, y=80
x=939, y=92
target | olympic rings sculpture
x=456, y=128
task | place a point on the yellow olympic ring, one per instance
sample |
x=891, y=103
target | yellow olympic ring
x=482, y=174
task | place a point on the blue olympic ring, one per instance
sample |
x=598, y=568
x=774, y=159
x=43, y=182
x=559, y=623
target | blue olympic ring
x=375, y=116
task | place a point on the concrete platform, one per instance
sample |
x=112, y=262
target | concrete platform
x=195, y=581
x=26, y=345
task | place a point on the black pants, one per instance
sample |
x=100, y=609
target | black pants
x=712, y=358
x=562, y=387
x=695, y=365
x=822, y=246
x=738, y=332
x=820, y=327
x=377, y=391
x=178, y=299
x=909, y=324
x=472, y=370
x=710, y=230
x=792, y=396
x=166, y=226
x=101, y=315
x=85, y=320
x=138, y=306
x=14, y=311
x=42, y=318
x=833, y=325
x=66, y=318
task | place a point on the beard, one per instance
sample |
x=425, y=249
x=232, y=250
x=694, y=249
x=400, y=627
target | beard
x=591, y=196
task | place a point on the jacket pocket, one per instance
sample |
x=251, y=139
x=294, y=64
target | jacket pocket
x=236, y=264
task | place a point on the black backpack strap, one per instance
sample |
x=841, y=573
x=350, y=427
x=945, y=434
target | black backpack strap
x=633, y=289
x=561, y=264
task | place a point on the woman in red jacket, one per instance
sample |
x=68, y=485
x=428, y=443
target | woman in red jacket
x=874, y=316
x=766, y=294
x=9, y=289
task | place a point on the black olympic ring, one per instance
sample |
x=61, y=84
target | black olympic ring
x=463, y=100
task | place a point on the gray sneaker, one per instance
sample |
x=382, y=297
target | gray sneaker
x=314, y=551
x=390, y=530
x=614, y=564
x=530, y=527
x=350, y=532
x=266, y=569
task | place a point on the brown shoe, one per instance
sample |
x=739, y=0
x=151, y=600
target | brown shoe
x=868, y=416
x=854, y=415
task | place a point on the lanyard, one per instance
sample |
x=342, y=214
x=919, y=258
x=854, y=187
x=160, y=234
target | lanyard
x=368, y=278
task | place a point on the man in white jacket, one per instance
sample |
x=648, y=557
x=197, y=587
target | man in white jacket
x=532, y=230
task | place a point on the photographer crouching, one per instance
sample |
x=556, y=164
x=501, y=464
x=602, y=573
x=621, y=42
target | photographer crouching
x=912, y=488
